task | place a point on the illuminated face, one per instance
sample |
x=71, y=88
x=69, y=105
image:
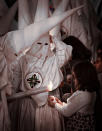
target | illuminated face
x=75, y=79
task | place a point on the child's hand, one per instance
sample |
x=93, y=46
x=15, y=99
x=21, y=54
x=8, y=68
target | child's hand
x=51, y=101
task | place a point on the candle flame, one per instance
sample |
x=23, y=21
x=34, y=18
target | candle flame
x=50, y=86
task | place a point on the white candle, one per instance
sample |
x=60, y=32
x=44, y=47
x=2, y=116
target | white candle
x=30, y=92
x=49, y=87
x=27, y=93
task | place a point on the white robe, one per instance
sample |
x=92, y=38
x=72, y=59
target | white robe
x=49, y=69
x=80, y=101
x=46, y=118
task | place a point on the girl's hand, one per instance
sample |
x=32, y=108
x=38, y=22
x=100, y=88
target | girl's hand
x=51, y=101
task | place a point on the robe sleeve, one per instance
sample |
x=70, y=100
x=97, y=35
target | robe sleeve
x=74, y=104
x=63, y=51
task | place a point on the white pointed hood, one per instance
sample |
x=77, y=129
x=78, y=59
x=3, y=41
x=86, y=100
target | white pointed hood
x=7, y=18
x=33, y=7
x=42, y=10
x=41, y=14
x=61, y=8
x=26, y=12
x=24, y=17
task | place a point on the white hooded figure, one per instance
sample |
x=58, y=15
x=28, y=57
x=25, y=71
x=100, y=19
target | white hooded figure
x=36, y=69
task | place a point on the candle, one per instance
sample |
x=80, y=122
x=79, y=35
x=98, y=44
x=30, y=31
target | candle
x=31, y=92
x=49, y=87
x=27, y=93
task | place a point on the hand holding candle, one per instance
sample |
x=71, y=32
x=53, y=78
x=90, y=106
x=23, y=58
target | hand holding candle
x=52, y=101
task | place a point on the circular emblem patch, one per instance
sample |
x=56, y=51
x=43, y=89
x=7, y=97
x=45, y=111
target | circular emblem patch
x=34, y=80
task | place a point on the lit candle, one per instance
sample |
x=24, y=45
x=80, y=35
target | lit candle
x=30, y=92
x=49, y=87
x=27, y=93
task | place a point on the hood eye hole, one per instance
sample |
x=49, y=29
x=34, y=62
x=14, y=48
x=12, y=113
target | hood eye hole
x=39, y=43
x=46, y=43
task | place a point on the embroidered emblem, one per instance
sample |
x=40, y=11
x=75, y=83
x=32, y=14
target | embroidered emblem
x=33, y=81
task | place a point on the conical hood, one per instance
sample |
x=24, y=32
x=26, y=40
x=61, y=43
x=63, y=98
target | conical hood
x=61, y=8
x=24, y=17
x=42, y=10
x=42, y=14
x=7, y=18
x=26, y=12
x=33, y=7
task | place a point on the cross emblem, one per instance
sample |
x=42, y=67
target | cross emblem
x=33, y=81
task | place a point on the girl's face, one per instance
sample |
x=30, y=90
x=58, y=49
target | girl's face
x=74, y=79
